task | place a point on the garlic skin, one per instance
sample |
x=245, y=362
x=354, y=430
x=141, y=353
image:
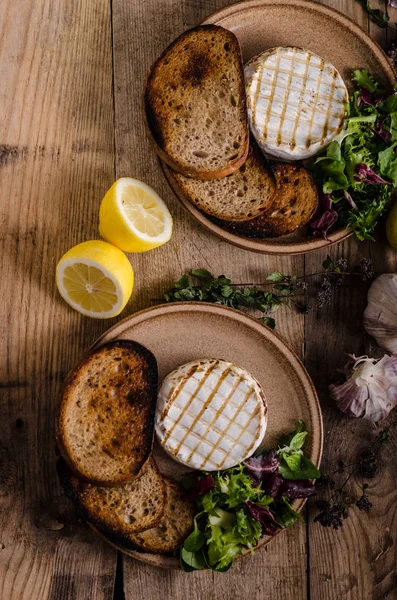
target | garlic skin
x=380, y=316
x=370, y=391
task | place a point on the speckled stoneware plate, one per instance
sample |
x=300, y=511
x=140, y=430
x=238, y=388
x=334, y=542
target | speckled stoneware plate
x=181, y=332
x=261, y=24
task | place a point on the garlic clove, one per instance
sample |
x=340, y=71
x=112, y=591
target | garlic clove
x=371, y=389
x=380, y=316
x=349, y=397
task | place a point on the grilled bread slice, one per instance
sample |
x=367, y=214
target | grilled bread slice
x=170, y=533
x=195, y=104
x=135, y=506
x=293, y=205
x=106, y=414
x=243, y=195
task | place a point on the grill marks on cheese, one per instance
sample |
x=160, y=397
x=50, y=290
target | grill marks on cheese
x=296, y=102
x=211, y=414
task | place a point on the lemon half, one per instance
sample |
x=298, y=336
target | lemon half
x=133, y=217
x=96, y=279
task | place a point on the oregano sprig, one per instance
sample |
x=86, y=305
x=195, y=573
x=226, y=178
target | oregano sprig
x=378, y=16
x=200, y=285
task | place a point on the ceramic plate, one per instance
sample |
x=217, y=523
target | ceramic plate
x=261, y=24
x=181, y=332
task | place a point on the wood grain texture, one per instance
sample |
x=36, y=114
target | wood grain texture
x=56, y=161
x=357, y=562
x=71, y=79
x=153, y=25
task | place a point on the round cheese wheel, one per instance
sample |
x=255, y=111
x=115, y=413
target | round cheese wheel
x=210, y=414
x=296, y=102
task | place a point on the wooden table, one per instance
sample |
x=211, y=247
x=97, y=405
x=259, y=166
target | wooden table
x=71, y=77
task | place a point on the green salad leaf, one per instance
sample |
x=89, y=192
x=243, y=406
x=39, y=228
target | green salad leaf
x=287, y=515
x=293, y=464
x=237, y=506
x=305, y=470
x=387, y=161
x=363, y=79
x=358, y=170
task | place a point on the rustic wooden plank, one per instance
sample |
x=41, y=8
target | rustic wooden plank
x=382, y=559
x=56, y=161
x=152, y=26
x=356, y=562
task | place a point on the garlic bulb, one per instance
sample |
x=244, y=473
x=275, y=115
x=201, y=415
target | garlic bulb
x=370, y=390
x=380, y=316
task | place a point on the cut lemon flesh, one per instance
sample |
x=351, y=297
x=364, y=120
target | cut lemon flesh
x=96, y=279
x=133, y=217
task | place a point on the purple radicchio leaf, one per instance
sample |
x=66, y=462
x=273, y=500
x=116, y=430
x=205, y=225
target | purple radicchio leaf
x=271, y=485
x=201, y=487
x=277, y=487
x=350, y=199
x=262, y=514
x=325, y=217
x=302, y=488
x=264, y=465
x=384, y=97
x=382, y=133
x=370, y=390
x=365, y=98
x=368, y=175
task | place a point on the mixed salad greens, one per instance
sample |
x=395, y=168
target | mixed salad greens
x=358, y=171
x=239, y=505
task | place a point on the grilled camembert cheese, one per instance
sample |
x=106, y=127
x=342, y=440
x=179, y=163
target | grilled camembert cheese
x=210, y=414
x=296, y=102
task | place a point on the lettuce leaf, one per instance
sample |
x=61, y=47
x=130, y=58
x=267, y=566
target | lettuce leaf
x=387, y=161
x=356, y=169
x=235, y=507
x=363, y=79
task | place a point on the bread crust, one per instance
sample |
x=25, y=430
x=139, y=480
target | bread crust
x=294, y=203
x=86, y=497
x=135, y=404
x=230, y=198
x=155, y=130
x=182, y=514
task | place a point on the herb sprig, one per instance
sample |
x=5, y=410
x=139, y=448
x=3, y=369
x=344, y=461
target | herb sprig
x=378, y=16
x=200, y=285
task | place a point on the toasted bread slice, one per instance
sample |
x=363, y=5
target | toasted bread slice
x=169, y=534
x=174, y=527
x=106, y=414
x=195, y=104
x=243, y=195
x=135, y=506
x=293, y=205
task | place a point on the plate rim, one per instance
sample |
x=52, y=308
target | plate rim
x=253, y=323
x=306, y=245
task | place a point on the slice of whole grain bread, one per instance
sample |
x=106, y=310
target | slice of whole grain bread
x=293, y=204
x=195, y=104
x=175, y=525
x=243, y=195
x=106, y=413
x=122, y=510
x=169, y=534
